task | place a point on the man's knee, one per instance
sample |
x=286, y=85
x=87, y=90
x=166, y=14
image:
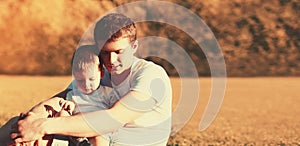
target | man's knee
x=5, y=130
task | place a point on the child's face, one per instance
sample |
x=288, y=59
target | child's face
x=88, y=80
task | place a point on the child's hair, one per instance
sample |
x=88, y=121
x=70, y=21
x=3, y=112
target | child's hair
x=114, y=26
x=84, y=57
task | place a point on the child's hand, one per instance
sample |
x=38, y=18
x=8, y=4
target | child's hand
x=67, y=105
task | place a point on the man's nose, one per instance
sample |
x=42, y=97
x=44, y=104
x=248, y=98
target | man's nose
x=113, y=57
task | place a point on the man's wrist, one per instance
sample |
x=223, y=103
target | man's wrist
x=49, y=126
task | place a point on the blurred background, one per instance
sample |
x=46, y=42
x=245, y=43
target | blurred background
x=258, y=38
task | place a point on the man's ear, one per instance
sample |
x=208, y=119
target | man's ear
x=101, y=66
x=135, y=46
x=101, y=71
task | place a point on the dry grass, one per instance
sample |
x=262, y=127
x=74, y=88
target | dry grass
x=20, y=93
x=255, y=111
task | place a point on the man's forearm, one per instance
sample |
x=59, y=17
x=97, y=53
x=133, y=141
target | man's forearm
x=71, y=126
x=98, y=122
x=83, y=125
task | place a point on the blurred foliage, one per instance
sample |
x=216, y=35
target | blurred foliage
x=258, y=38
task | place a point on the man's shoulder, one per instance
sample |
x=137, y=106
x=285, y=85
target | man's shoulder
x=148, y=70
x=142, y=64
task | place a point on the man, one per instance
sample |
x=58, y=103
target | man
x=142, y=114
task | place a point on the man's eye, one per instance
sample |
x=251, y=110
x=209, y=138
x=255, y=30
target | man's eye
x=104, y=52
x=92, y=79
x=119, y=51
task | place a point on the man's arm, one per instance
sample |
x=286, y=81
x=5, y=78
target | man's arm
x=88, y=124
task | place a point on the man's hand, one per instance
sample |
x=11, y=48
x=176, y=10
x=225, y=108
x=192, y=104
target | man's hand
x=29, y=129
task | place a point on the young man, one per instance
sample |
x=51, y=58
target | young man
x=142, y=114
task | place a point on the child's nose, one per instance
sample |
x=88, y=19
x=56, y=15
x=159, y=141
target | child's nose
x=87, y=84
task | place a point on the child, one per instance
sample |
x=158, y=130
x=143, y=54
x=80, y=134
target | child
x=87, y=94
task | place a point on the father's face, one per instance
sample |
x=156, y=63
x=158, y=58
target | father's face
x=118, y=55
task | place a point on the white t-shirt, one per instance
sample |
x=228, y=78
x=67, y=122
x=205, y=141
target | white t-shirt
x=102, y=98
x=155, y=125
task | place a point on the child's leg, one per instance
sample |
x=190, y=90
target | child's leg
x=48, y=139
x=99, y=141
x=62, y=113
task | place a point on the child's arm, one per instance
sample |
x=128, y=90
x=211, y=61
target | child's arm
x=42, y=109
x=46, y=108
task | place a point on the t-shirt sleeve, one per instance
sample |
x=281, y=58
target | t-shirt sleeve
x=153, y=81
x=70, y=87
x=69, y=96
x=73, y=91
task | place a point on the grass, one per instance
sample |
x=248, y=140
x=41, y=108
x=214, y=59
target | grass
x=255, y=111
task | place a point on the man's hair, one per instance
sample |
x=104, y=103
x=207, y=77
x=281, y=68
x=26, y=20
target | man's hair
x=84, y=57
x=114, y=26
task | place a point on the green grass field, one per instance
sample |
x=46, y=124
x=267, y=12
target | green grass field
x=255, y=111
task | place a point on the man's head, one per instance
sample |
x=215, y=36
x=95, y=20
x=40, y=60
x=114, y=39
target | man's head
x=115, y=26
x=115, y=35
x=86, y=68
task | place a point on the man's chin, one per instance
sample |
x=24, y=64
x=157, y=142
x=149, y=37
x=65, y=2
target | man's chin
x=111, y=71
x=115, y=73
